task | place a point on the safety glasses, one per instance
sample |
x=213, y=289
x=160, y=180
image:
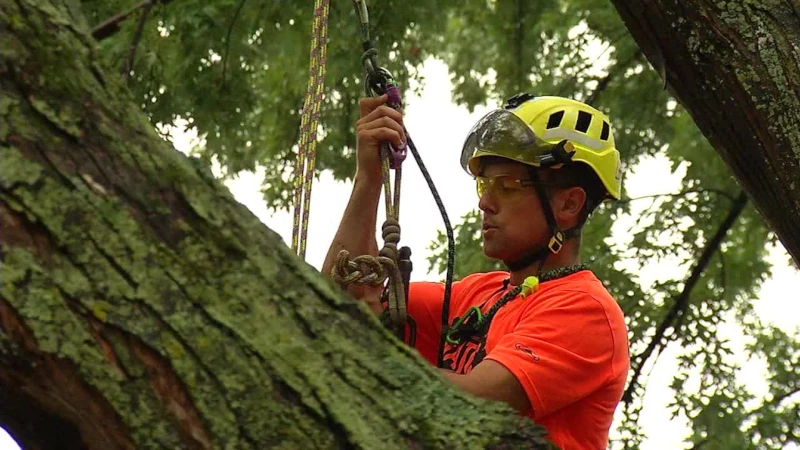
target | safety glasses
x=505, y=186
x=501, y=186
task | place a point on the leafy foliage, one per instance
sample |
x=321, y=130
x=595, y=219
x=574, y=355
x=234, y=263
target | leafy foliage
x=469, y=253
x=237, y=71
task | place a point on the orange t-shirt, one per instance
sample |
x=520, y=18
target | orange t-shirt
x=566, y=344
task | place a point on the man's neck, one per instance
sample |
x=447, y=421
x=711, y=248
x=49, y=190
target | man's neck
x=565, y=258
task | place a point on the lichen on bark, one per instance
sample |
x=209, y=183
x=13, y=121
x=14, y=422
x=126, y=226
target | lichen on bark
x=735, y=66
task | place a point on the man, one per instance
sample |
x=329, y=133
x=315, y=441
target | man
x=545, y=336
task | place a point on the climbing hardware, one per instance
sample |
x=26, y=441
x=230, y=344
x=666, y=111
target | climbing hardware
x=391, y=263
x=367, y=269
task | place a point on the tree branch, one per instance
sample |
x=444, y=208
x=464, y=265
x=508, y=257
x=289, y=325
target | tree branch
x=562, y=90
x=736, y=86
x=682, y=302
x=770, y=404
x=228, y=40
x=719, y=192
x=701, y=444
x=775, y=402
x=779, y=399
x=617, y=70
x=147, y=355
x=35, y=427
x=127, y=68
x=111, y=26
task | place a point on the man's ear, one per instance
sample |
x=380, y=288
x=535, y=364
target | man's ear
x=570, y=203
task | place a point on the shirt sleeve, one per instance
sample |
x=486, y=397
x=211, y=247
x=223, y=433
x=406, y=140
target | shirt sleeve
x=561, y=351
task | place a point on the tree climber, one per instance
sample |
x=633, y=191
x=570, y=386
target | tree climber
x=545, y=336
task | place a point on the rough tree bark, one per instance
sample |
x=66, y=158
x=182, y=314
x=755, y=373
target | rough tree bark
x=141, y=306
x=735, y=66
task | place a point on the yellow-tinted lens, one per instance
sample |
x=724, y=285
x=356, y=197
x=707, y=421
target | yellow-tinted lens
x=501, y=185
x=481, y=184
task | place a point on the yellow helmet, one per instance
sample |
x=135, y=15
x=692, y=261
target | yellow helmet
x=543, y=132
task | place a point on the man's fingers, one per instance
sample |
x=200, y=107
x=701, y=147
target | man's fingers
x=379, y=112
x=382, y=135
x=368, y=104
x=383, y=122
x=379, y=122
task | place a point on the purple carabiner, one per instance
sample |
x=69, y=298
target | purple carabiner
x=398, y=154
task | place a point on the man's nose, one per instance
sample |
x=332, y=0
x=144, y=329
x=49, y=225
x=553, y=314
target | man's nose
x=486, y=203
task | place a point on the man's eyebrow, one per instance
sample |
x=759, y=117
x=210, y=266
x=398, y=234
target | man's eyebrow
x=504, y=174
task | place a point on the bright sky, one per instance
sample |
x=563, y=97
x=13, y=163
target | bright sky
x=438, y=128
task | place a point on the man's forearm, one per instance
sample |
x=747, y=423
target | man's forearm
x=356, y=234
x=491, y=381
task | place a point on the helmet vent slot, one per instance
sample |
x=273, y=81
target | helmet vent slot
x=555, y=119
x=606, y=131
x=584, y=120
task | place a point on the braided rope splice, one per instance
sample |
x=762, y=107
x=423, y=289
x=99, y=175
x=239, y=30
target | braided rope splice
x=375, y=270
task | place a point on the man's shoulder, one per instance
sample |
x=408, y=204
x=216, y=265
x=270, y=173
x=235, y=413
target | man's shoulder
x=582, y=282
x=473, y=278
x=480, y=285
x=581, y=288
x=485, y=278
x=472, y=286
x=580, y=302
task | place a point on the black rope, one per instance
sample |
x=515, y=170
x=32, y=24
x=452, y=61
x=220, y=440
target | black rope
x=451, y=257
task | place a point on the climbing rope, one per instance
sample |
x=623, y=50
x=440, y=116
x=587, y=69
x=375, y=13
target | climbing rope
x=374, y=271
x=307, y=147
x=367, y=269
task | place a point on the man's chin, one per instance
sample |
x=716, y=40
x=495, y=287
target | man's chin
x=494, y=253
x=504, y=255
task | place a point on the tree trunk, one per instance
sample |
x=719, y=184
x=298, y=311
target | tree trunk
x=141, y=306
x=735, y=66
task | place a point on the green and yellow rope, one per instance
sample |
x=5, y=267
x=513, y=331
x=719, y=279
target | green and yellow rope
x=307, y=146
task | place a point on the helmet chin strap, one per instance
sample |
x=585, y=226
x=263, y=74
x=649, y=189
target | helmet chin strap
x=557, y=236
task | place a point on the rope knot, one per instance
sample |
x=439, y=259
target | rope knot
x=368, y=59
x=360, y=270
x=391, y=237
x=374, y=271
